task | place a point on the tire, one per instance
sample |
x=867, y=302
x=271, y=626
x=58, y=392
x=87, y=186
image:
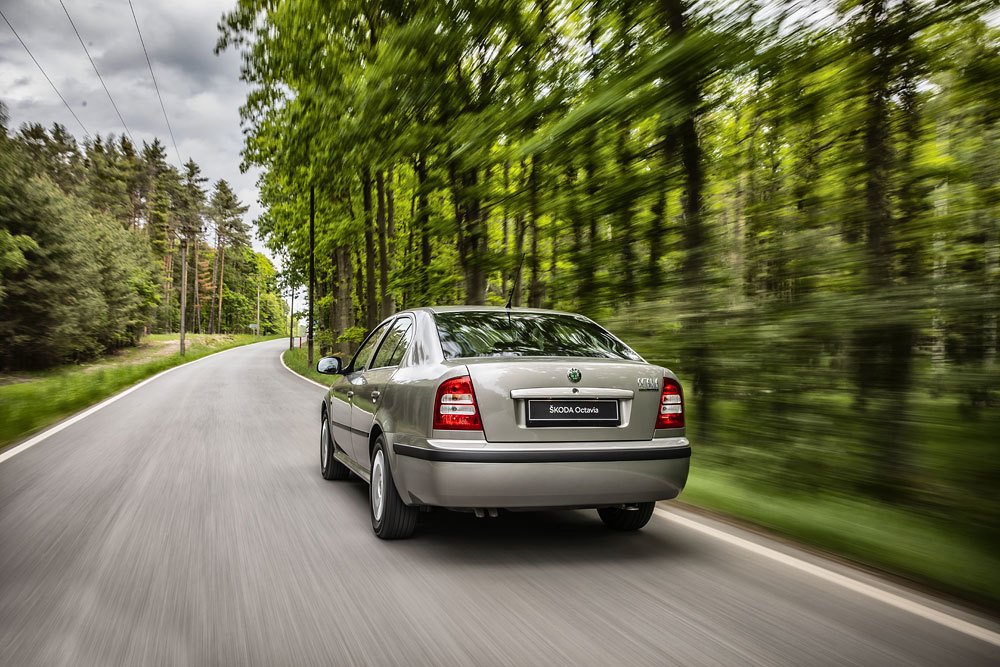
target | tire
x=617, y=518
x=391, y=518
x=330, y=467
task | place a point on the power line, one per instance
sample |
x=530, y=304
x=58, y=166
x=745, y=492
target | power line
x=87, y=51
x=155, y=87
x=42, y=70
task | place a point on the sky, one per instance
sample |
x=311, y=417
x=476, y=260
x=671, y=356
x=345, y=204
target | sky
x=202, y=92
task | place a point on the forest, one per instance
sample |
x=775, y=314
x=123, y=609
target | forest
x=792, y=205
x=102, y=241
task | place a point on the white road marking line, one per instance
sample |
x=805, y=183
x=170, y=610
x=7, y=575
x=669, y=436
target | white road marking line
x=13, y=451
x=281, y=357
x=898, y=601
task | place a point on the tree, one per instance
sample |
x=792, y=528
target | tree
x=191, y=205
x=786, y=211
x=226, y=212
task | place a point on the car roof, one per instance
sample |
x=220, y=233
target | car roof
x=453, y=309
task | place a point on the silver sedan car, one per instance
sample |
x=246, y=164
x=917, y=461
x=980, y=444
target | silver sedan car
x=480, y=409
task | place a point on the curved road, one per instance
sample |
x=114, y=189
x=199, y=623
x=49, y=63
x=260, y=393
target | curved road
x=187, y=524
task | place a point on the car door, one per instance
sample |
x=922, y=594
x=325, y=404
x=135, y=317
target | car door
x=340, y=414
x=345, y=394
x=368, y=395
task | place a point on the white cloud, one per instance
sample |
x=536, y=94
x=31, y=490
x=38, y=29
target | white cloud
x=201, y=91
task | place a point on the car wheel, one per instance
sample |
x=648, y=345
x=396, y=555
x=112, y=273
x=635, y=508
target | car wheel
x=391, y=518
x=330, y=466
x=619, y=518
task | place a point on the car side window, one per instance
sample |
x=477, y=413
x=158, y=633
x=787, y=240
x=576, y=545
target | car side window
x=364, y=352
x=394, y=344
x=404, y=342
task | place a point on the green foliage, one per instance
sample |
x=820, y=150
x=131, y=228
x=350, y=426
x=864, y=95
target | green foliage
x=77, y=284
x=797, y=214
x=91, y=242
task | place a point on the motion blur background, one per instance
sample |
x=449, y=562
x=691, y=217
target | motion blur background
x=793, y=205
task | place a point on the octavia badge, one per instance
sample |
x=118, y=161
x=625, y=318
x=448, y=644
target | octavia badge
x=574, y=375
x=648, y=384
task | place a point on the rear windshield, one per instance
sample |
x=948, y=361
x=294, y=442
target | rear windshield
x=497, y=334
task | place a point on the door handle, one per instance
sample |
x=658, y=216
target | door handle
x=350, y=394
x=375, y=395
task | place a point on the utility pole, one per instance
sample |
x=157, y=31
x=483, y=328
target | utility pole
x=312, y=267
x=184, y=278
x=257, y=332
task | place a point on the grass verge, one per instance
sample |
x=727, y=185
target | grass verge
x=33, y=401
x=297, y=359
x=888, y=538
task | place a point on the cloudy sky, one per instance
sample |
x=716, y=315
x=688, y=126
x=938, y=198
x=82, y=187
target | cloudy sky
x=202, y=92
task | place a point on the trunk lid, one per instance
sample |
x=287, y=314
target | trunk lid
x=534, y=399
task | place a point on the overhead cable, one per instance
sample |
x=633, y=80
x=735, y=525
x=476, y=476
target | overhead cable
x=155, y=86
x=47, y=78
x=98, y=72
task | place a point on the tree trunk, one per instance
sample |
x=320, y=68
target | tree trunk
x=661, y=209
x=390, y=209
x=623, y=161
x=344, y=307
x=883, y=348
x=311, y=324
x=169, y=297
x=222, y=277
x=359, y=283
x=421, y=223
x=553, y=281
x=215, y=282
x=346, y=300
x=587, y=285
x=383, y=252
x=506, y=244
x=197, y=292
x=468, y=225
x=371, y=297
x=693, y=228
x=535, y=288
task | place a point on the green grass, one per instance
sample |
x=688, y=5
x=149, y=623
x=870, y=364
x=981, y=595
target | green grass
x=297, y=360
x=894, y=539
x=31, y=401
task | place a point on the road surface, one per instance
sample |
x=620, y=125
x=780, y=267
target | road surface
x=187, y=524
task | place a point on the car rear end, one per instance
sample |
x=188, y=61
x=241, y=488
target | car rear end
x=534, y=409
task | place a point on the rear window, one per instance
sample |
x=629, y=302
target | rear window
x=497, y=334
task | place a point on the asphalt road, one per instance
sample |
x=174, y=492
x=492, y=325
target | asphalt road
x=187, y=524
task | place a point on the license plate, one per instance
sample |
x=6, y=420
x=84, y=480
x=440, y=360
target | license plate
x=595, y=412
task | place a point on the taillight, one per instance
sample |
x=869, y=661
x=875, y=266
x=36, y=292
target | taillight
x=455, y=406
x=671, y=414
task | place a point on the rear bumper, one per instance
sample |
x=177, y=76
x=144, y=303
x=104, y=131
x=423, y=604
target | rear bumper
x=471, y=475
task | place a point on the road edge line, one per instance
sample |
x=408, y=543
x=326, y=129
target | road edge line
x=86, y=412
x=281, y=358
x=873, y=592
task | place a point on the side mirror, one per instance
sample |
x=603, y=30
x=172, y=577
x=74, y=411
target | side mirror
x=329, y=366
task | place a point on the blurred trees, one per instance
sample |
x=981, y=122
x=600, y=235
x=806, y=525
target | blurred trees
x=96, y=240
x=793, y=206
